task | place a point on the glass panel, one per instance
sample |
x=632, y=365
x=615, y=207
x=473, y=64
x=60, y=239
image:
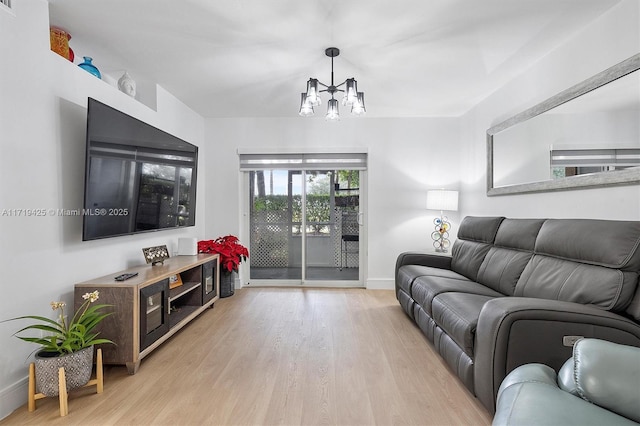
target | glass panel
x=154, y=316
x=319, y=225
x=154, y=312
x=329, y=231
x=333, y=233
x=209, y=275
x=275, y=224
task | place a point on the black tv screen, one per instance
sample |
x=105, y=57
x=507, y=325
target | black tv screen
x=137, y=178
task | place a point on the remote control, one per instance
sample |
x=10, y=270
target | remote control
x=125, y=276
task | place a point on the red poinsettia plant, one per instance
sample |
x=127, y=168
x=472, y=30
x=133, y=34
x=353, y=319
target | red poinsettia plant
x=229, y=248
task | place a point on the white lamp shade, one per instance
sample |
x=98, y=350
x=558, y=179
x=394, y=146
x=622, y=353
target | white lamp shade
x=441, y=199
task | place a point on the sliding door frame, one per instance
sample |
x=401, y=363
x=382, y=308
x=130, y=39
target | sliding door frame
x=245, y=208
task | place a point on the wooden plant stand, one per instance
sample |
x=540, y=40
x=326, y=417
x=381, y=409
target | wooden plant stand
x=62, y=385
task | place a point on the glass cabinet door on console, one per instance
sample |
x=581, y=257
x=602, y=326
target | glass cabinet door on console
x=154, y=312
x=209, y=281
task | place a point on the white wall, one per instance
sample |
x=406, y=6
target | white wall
x=405, y=158
x=613, y=37
x=409, y=156
x=43, y=102
x=42, y=126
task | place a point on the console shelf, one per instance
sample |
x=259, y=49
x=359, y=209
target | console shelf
x=146, y=311
x=180, y=314
x=185, y=288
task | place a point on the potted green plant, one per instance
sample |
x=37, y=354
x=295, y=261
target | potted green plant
x=67, y=344
x=232, y=253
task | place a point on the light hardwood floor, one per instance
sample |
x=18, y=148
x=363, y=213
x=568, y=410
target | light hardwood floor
x=268, y=356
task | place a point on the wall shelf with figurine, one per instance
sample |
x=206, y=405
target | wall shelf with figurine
x=121, y=79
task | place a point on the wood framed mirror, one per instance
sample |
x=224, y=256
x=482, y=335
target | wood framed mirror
x=585, y=136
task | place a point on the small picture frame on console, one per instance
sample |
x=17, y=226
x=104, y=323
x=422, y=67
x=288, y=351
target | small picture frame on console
x=154, y=255
x=175, y=281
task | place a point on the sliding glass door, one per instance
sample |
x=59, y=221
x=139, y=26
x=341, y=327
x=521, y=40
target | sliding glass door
x=305, y=227
x=332, y=225
x=275, y=225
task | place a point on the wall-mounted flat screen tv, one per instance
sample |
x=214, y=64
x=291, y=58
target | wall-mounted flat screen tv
x=137, y=178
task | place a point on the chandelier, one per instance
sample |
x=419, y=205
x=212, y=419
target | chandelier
x=352, y=97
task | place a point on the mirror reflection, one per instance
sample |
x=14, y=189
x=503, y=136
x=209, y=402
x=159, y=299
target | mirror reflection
x=581, y=137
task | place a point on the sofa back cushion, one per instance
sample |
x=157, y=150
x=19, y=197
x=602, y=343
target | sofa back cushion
x=584, y=261
x=610, y=243
x=548, y=277
x=475, y=237
x=512, y=250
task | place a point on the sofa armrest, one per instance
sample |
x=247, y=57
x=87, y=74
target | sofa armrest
x=421, y=259
x=529, y=373
x=513, y=331
x=529, y=395
x=424, y=259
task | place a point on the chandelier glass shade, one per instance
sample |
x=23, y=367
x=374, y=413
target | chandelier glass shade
x=352, y=98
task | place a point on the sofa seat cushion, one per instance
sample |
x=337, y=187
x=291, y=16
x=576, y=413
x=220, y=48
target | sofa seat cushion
x=426, y=288
x=457, y=315
x=407, y=274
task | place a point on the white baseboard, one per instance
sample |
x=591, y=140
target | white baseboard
x=13, y=397
x=380, y=284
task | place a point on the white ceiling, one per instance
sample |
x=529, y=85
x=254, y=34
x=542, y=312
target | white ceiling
x=252, y=58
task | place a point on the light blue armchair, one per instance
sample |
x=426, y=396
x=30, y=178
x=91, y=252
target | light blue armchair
x=598, y=385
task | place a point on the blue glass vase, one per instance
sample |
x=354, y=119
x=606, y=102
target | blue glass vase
x=89, y=67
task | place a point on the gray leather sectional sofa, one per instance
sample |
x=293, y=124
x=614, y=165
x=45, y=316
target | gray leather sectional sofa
x=519, y=291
